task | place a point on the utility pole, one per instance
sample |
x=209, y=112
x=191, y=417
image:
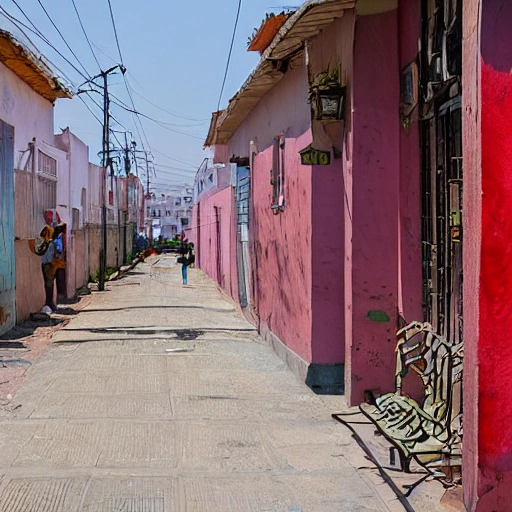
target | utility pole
x=127, y=162
x=147, y=180
x=145, y=160
x=106, y=163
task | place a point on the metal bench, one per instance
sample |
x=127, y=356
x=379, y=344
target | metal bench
x=430, y=433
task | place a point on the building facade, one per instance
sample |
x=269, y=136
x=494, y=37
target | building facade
x=169, y=214
x=339, y=231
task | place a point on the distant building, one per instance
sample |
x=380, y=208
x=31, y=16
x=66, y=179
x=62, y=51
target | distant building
x=169, y=214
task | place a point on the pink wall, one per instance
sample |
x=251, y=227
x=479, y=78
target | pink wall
x=206, y=245
x=282, y=246
x=333, y=46
x=410, y=278
x=22, y=107
x=375, y=205
x=303, y=306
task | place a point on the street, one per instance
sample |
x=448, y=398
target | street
x=158, y=397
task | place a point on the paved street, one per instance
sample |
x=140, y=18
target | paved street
x=159, y=397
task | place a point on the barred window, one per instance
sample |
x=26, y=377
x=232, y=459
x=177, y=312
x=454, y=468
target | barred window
x=47, y=194
x=47, y=165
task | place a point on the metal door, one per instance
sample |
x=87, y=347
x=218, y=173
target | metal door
x=7, y=265
x=242, y=207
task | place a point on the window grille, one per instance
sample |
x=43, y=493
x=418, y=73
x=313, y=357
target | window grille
x=47, y=165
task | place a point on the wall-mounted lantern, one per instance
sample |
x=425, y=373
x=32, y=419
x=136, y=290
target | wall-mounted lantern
x=329, y=103
x=327, y=95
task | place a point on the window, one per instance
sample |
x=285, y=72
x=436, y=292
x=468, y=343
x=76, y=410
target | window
x=277, y=174
x=47, y=194
x=47, y=165
x=46, y=182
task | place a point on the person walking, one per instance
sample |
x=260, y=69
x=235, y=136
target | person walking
x=184, y=264
x=49, y=247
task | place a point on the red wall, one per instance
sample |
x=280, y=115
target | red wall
x=487, y=449
x=495, y=355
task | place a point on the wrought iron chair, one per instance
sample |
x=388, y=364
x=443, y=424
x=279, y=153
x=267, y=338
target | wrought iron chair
x=430, y=433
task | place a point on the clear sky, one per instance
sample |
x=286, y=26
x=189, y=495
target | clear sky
x=175, y=53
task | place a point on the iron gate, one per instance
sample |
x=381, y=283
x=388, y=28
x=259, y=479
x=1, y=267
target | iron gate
x=442, y=169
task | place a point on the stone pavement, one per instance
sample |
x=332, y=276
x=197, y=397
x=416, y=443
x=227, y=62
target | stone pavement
x=162, y=398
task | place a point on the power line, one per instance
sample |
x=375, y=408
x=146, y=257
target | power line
x=85, y=34
x=169, y=111
x=229, y=54
x=175, y=168
x=126, y=82
x=175, y=159
x=18, y=24
x=175, y=173
x=159, y=123
x=128, y=87
x=115, y=31
x=126, y=107
x=90, y=110
x=62, y=37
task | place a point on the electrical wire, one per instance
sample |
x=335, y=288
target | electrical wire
x=176, y=173
x=85, y=33
x=39, y=34
x=122, y=104
x=175, y=168
x=229, y=54
x=126, y=83
x=62, y=37
x=115, y=31
x=90, y=110
x=128, y=90
x=174, y=159
x=156, y=121
x=18, y=24
x=202, y=121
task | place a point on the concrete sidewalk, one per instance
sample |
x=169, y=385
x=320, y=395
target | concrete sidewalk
x=162, y=398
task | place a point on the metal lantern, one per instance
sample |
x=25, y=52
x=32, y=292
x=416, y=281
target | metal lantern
x=329, y=103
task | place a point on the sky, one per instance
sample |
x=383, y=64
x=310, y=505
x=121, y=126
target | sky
x=175, y=54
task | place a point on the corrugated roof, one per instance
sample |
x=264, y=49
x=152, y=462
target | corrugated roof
x=306, y=23
x=30, y=68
